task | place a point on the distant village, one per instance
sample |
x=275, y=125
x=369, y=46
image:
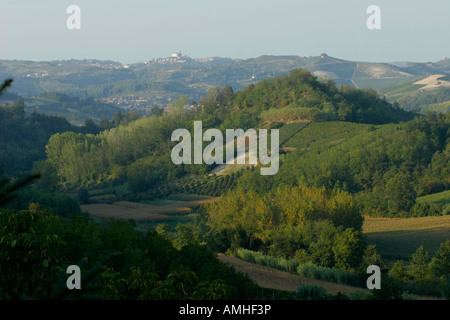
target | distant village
x=177, y=57
x=140, y=104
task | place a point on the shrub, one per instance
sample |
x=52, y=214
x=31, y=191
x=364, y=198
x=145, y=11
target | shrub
x=312, y=292
x=83, y=195
x=445, y=288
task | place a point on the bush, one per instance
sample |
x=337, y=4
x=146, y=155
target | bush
x=83, y=195
x=391, y=289
x=445, y=288
x=358, y=295
x=312, y=292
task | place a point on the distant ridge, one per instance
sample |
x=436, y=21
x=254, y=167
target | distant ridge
x=157, y=81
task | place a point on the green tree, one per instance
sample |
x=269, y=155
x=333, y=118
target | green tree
x=390, y=289
x=187, y=233
x=419, y=266
x=445, y=288
x=348, y=249
x=211, y=290
x=371, y=257
x=440, y=264
x=29, y=259
x=398, y=271
x=400, y=190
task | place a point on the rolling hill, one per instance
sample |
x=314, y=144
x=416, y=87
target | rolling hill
x=155, y=83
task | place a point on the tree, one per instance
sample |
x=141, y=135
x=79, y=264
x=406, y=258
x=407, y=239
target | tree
x=419, y=266
x=348, y=249
x=17, y=110
x=445, y=288
x=187, y=233
x=90, y=126
x=440, y=264
x=400, y=190
x=117, y=118
x=211, y=290
x=391, y=289
x=5, y=85
x=371, y=257
x=345, y=211
x=29, y=259
x=156, y=111
x=398, y=271
x=320, y=239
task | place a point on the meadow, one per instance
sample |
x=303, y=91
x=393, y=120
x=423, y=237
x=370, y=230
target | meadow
x=436, y=198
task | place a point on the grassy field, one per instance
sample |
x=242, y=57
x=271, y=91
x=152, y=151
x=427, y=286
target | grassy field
x=441, y=198
x=399, y=238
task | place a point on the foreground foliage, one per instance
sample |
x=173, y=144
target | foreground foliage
x=36, y=247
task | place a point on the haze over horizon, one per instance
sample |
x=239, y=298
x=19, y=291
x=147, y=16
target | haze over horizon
x=137, y=31
x=397, y=62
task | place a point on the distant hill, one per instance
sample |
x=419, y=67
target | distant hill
x=430, y=93
x=74, y=109
x=138, y=152
x=300, y=96
x=156, y=82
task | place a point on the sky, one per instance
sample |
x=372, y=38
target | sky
x=139, y=30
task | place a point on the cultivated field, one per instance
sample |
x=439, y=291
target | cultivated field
x=399, y=238
x=142, y=212
x=433, y=82
x=372, y=224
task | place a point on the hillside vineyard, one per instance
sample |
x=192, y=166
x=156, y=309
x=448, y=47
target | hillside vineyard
x=213, y=153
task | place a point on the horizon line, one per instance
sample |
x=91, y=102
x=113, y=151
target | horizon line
x=221, y=57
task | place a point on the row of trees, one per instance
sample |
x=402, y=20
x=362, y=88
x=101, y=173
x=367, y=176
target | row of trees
x=425, y=274
x=23, y=138
x=137, y=152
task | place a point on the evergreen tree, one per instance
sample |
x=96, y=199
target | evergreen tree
x=419, y=266
x=440, y=264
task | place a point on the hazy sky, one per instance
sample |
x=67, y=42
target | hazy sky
x=137, y=30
